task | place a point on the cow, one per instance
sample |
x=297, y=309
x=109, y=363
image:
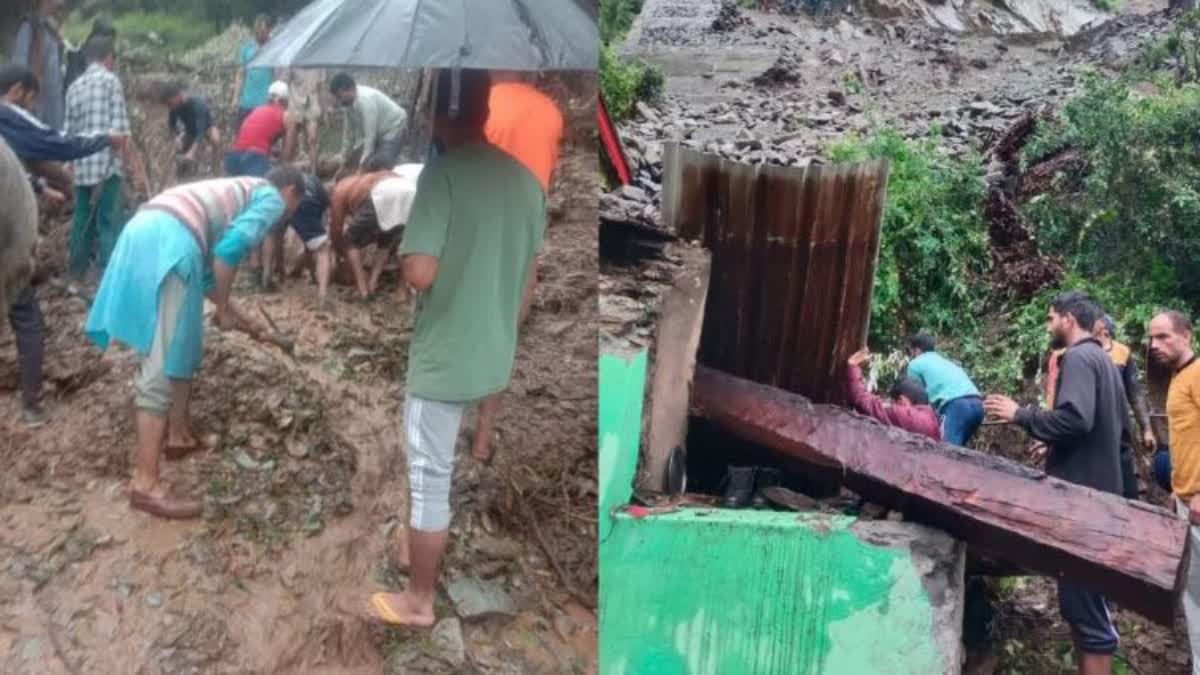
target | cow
x=18, y=227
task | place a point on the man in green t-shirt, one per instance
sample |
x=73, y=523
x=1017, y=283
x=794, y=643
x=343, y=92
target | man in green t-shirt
x=477, y=220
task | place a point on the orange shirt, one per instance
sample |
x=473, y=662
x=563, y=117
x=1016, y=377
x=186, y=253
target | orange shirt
x=526, y=124
x=1183, y=417
x=348, y=195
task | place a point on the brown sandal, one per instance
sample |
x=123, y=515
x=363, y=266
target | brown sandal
x=165, y=507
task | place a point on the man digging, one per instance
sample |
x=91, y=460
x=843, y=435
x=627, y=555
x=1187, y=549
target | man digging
x=469, y=259
x=182, y=246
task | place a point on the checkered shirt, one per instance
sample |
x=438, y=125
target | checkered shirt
x=96, y=105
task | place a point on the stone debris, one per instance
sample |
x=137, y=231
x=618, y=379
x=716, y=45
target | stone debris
x=475, y=598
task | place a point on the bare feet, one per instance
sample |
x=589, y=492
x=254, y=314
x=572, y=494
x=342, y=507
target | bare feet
x=401, y=609
x=180, y=444
x=181, y=437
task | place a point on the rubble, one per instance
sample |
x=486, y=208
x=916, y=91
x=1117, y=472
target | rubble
x=729, y=17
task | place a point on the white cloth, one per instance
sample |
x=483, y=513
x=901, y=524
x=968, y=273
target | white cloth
x=393, y=197
x=1191, y=590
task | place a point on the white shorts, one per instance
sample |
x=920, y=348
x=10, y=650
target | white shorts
x=430, y=435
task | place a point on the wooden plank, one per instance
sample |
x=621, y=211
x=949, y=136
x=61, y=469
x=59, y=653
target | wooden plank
x=678, y=337
x=1132, y=552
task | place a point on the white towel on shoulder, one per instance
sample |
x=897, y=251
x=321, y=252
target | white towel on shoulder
x=393, y=197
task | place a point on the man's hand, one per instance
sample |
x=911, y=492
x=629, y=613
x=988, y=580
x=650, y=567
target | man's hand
x=54, y=196
x=1194, y=509
x=117, y=140
x=1148, y=439
x=860, y=357
x=1001, y=407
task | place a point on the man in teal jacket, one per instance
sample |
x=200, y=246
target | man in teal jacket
x=950, y=390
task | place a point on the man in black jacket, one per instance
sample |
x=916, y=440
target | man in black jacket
x=1083, y=432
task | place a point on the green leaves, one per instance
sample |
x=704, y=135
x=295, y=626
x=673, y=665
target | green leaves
x=934, y=243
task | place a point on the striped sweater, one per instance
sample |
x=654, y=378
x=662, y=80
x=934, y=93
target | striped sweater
x=207, y=207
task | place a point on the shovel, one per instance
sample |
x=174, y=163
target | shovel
x=279, y=338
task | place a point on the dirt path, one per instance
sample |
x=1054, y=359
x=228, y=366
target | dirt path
x=305, y=491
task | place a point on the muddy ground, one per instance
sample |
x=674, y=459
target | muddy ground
x=767, y=88
x=305, y=490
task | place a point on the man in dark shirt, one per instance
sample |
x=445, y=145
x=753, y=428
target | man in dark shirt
x=308, y=222
x=191, y=123
x=1083, y=431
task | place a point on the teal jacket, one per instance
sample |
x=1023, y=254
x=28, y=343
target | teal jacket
x=944, y=379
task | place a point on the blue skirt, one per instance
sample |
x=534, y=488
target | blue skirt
x=152, y=245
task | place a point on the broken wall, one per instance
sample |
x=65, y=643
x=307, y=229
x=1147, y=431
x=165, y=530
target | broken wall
x=680, y=595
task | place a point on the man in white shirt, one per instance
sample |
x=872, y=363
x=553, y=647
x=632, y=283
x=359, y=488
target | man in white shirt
x=381, y=121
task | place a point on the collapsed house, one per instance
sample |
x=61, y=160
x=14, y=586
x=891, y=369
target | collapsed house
x=754, y=295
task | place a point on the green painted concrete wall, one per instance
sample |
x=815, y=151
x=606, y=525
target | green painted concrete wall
x=622, y=389
x=719, y=592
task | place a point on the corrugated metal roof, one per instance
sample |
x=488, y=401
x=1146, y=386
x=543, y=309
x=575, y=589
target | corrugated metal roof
x=794, y=255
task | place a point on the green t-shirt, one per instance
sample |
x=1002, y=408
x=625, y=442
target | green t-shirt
x=482, y=215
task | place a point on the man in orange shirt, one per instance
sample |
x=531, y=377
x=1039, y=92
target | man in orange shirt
x=528, y=125
x=1171, y=338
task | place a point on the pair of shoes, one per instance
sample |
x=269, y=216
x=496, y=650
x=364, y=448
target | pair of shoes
x=746, y=486
x=33, y=416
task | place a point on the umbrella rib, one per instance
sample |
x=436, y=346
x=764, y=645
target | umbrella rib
x=540, y=43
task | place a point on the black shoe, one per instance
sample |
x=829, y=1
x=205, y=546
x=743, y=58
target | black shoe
x=741, y=487
x=766, y=478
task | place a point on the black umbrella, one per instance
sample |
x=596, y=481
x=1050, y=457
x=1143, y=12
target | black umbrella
x=487, y=34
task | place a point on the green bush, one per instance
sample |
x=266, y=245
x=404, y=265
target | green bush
x=1107, y=5
x=623, y=82
x=616, y=17
x=933, y=251
x=175, y=32
x=1135, y=213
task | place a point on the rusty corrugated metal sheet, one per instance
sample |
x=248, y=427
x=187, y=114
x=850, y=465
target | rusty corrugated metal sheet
x=794, y=254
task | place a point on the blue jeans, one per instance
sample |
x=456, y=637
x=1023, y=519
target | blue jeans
x=246, y=163
x=961, y=418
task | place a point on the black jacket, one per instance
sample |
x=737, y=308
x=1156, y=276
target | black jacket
x=1083, y=430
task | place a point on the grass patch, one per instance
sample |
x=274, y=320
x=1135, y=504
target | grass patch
x=160, y=32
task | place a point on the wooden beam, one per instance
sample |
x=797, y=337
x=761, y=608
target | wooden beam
x=678, y=337
x=1130, y=551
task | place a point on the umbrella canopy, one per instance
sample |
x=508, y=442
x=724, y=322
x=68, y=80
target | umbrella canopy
x=486, y=34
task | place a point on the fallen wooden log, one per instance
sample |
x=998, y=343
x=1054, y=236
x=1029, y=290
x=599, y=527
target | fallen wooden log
x=1130, y=551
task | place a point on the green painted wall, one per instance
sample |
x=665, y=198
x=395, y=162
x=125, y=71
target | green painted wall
x=719, y=592
x=622, y=389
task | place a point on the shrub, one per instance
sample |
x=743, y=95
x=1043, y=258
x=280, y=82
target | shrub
x=933, y=248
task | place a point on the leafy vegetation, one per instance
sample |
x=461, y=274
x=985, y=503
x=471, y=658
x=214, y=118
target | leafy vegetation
x=934, y=244
x=171, y=31
x=623, y=82
x=1124, y=216
x=1107, y=5
x=218, y=13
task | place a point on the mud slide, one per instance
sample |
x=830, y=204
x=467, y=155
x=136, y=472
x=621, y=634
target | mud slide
x=305, y=493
